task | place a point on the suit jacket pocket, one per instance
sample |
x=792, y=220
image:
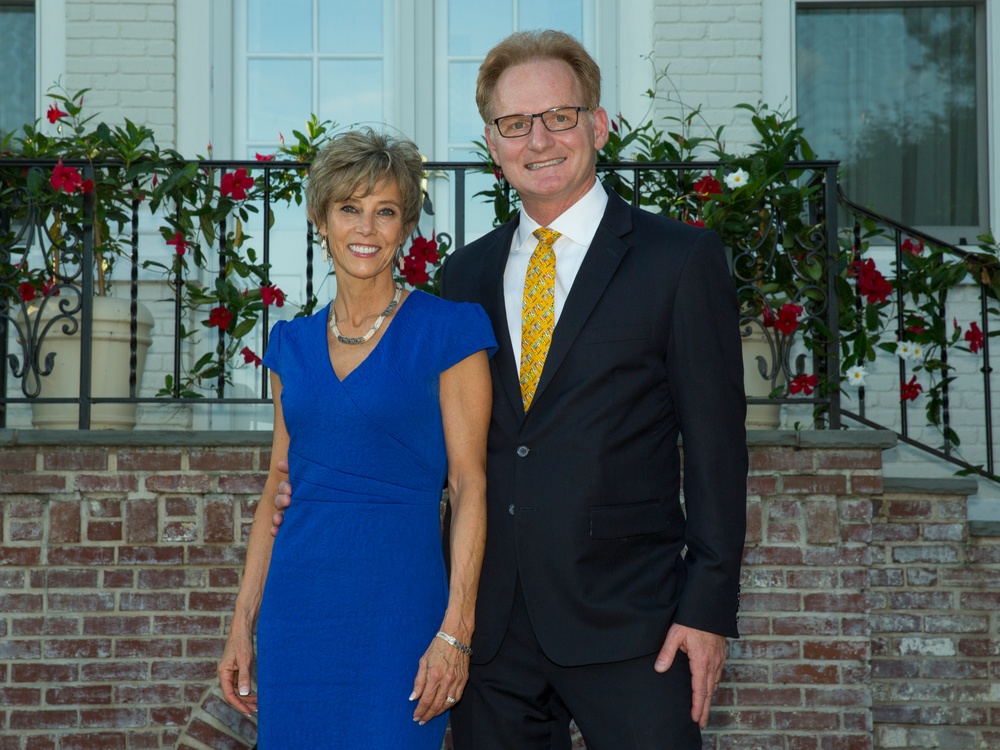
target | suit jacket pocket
x=633, y=519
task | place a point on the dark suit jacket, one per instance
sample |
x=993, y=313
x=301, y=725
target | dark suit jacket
x=583, y=491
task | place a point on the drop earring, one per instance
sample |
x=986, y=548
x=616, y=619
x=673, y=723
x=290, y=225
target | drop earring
x=399, y=258
x=325, y=247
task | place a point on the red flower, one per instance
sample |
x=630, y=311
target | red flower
x=264, y=157
x=911, y=246
x=695, y=222
x=180, y=244
x=975, y=337
x=55, y=114
x=707, y=186
x=909, y=391
x=27, y=291
x=87, y=187
x=271, y=295
x=871, y=282
x=249, y=357
x=235, y=184
x=415, y=271
x=803, y=384
x=767, y=317
x=614, y=125
x=67, y=179
x=424, y=250
x=47, y=288
x=220, y=317
x=788, y=318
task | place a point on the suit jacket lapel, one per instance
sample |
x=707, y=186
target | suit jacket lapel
x=599, y=265
x=507, y=364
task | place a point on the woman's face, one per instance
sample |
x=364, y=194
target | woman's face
x=364, y=232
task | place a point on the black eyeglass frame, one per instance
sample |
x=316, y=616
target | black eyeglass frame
x=541, y=116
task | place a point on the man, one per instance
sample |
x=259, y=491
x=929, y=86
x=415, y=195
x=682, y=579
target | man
x=600, y=599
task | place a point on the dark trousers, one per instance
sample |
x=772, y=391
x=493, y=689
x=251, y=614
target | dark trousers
x=523, y=701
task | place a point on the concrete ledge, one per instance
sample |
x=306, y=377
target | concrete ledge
x=248, y=438
x=822, y=438
x=984, y=528
x=929, y=486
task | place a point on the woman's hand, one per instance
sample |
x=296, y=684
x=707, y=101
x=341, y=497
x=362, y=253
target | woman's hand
x=234, y=672
x=443, y=673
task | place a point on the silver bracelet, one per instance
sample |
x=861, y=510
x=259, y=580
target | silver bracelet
x=453, y=641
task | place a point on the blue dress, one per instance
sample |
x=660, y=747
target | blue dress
x=356, y=586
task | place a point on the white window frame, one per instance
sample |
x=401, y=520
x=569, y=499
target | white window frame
x=50, y=37
x=778, y=68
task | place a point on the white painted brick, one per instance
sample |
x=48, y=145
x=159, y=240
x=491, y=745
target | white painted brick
x=711, y=13
x=120, y=12
x=78, y=11
x=148, y=30
x=92, y=30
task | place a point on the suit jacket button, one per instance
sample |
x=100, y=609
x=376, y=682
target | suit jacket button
x=510, y=508
x=522, y=451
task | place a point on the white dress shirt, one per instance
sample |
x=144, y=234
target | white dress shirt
x=577, y=225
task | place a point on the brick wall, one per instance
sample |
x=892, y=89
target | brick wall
x=124, y=50
x=869, y=614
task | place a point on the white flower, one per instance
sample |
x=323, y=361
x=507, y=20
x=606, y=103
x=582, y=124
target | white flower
x=904, y=350
x=737, y=179
x=856, y=375
x=916, y=352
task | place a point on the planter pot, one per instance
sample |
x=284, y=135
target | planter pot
x=109, y=367
x=761, y=375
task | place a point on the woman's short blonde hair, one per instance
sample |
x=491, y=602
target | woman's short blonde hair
x=529, y=46
x=360, y=162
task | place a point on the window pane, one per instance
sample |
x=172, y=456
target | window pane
x=350, y=27
x=278, y=97
x=464, y=122
x=565, y=15
x=473, y=28
x=17, y=60
x=279, y=27
x=350, y=92
x=892, y=93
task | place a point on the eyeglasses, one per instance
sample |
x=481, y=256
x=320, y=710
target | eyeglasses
x=554, y=120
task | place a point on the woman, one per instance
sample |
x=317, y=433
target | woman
x=378, y=399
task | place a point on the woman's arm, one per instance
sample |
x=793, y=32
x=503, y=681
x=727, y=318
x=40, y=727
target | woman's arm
x=466, y=401
x=234, y=666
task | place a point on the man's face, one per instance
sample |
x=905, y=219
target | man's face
x=550, y=171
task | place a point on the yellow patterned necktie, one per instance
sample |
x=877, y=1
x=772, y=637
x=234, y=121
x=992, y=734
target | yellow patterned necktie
x=538, y=311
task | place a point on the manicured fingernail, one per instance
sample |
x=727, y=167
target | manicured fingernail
x=421, y=723
x=412, y=696
x=244, y=691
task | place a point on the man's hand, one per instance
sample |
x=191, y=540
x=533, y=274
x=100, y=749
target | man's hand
x=282, y=500
x=706, y=653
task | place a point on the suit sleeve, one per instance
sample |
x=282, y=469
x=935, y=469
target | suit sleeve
x=705, y=366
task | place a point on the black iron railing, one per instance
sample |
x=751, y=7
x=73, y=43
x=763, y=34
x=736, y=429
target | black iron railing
x=773, y=267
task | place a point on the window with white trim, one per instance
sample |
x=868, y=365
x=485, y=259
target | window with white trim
x=17, y=60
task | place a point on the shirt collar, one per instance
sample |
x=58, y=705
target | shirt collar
x=578, y=223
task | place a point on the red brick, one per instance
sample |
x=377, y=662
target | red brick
x=65, y=458
x=183, y=670
x=113, y=717
x=50, y=673
x=81, y=555
x=104, y=508
x=115, y=671
x=212, y=601
x=20, y=556
x=218, y=521
x=163, y=555
x=804, y=674
x=41, y=742
x=115, y=625
x=71, y=578
x=783, y=509
x=187, y=625
x=71, y=696
x=827, y=484
x=40, y=719
x=161, y=694
x=837, y=696
x=11, y=649
x=10, y=603
x=133, y=648
x=64, y=522
x=782, y=533
x=89, y=602
x=910, y=509
x=216, y=460
x=117, y=483
x=217, y=554
x=769, y=696
x=119, y=579
x=804, y=721
x=142, y=521
x=223, y=578
x=26, y=531
x=821, y=522
x=866, y=485
x=20, y=696
x=25, y=507
x=15, y=459
x=198, y=483
x=780, y=459
x=205, y=648
x=35, y=483
x=180, y=531
x=213, y=737
x=92, y=741
x=160, y=601
x=104, y=531
x=766, y=555
x=149, y=459
x=804, y=625
x=181, y=506
x=77, y=648
x=763, y=486
x=753, y=601
x=840, y=603
x=245, y=484
x=849, y=459
x=171, y=716
x=46, y=626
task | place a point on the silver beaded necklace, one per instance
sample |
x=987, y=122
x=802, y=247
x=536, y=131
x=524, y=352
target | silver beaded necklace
x=375, y=326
